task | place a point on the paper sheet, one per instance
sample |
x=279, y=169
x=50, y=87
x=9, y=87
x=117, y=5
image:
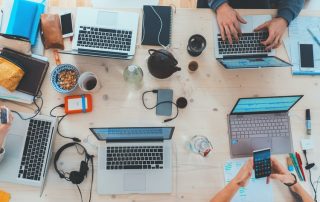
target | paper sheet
x=256, y=190
x=298, y=34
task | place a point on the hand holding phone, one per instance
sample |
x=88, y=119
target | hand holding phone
x=262, y=163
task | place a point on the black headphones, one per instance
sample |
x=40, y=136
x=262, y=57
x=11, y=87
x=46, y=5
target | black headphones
x=76, y=177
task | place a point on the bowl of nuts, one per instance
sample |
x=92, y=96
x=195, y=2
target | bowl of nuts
x=64, y=78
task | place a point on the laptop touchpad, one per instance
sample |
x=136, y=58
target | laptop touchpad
x=261, y=143
x=14, y=145
x=134, y=182
x=107, y=19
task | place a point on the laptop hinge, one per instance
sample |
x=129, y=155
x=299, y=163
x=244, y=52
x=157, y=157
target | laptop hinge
x=136, y=140
x=244, y=56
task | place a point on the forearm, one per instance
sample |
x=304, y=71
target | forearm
x=226, y=193
x=214, y=4
x=1, y=141
x=298, y=189
x=289, y=9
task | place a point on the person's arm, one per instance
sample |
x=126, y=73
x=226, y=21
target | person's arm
x=289, y=9
x=214, y=4
x=280, y=173
x=4, y=128
x=240, y=180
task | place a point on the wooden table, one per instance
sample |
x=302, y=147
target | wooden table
x=211, y=91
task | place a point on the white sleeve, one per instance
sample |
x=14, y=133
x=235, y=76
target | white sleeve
x=2, y=152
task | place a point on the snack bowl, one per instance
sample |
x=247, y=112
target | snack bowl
x=64, y=78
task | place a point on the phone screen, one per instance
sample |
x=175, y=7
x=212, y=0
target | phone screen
x=165, y=109
x=262, y=163
x=66, y=24
x=306, y=56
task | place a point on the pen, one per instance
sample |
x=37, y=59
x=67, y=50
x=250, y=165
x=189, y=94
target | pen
x=308, y=121
x=300, y=165
x=296, y=166
x=313, y=36
x=290, y=164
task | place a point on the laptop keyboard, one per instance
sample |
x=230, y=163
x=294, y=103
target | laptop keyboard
x=101, y=38
x=267, y=126
x=135, y=157
x=249, y=43
x=134, y=131
x=34, y=150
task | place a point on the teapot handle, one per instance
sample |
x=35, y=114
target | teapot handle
x=169, y=56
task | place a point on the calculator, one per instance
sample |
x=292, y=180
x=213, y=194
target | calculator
x=262, y=163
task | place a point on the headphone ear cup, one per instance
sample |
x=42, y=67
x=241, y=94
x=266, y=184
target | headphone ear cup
x=76, y=177
x=84, y=168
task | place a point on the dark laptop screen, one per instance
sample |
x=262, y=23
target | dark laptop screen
x=265, y=104
x=133, y=133
x=252, y=62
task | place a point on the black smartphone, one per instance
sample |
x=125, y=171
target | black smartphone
x=4, y=115
x=164, y=109
x=66, y=25
x=306, y=56
x=262, y=163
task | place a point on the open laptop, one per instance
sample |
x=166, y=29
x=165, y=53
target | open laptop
x=261, y=122
x=104, y=33
x=134, y=160
x=28, y=150
x=248, y=52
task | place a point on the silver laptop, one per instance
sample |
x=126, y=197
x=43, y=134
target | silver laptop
x=134, y=160
x=262, y=122
x=105, y=33
x=248, y=52
x=28, y=150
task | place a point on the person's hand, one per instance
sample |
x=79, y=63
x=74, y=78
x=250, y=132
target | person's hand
x=4, y=128
x=276, y=28
x=279, y=172
x=244, y=174
x=229, y=22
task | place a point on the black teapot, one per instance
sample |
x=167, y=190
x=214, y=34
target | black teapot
x=162, y=64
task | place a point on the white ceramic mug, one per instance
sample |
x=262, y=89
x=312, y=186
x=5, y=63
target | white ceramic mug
x=89, y=82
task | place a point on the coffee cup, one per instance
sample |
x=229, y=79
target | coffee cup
x=88, y=82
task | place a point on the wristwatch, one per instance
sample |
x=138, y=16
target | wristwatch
x=293, y=183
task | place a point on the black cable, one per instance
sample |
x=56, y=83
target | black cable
x=310, y=176
x=156, y=91
x=91, y=158
x=37, y=111
x=61, y=117
x=80, y=193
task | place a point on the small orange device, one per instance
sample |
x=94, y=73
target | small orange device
x=78, y=104
x=4, y=196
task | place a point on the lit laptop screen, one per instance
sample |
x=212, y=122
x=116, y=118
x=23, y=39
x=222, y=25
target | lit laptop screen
x=269, y=104
x=134, y=133
x=238, y=63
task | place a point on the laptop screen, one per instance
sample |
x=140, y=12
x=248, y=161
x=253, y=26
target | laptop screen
x=252, y=62
x=133, y=133
x=266, y=104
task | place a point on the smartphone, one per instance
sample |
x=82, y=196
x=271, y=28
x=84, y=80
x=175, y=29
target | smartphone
x=164, y=109
x=4, y=115
x=306, y=56
x=66, y=25
x=262, y=162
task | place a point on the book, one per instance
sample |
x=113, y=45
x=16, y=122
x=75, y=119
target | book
x=156, y=25
x=24, y=19
x=35, y=71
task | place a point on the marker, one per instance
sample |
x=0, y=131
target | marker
x=308, y=121
x=300, y=165
x=290, y=164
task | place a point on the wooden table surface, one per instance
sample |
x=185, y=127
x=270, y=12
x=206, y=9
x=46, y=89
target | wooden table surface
x=211, y=91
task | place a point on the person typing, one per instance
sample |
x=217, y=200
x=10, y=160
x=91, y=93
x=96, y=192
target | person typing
x=229, y=20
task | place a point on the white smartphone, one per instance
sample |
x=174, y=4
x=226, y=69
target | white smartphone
x=66, y=25
x=306, y=57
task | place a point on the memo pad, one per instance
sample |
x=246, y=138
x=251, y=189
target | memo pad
x=24, y=19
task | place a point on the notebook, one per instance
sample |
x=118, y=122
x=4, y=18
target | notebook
x=151, y=25
x=24, y=19
x=35, y=71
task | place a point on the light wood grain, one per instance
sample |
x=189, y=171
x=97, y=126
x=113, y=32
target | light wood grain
x=211, y=91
